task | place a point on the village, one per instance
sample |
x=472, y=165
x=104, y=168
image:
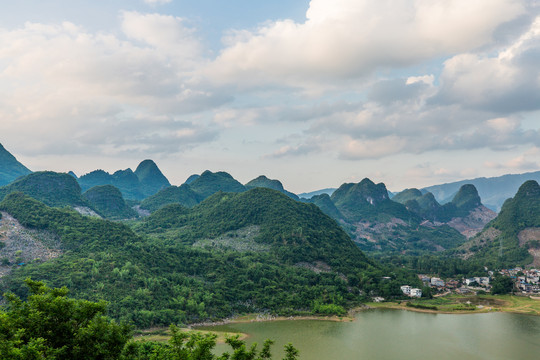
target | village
x=526, y=282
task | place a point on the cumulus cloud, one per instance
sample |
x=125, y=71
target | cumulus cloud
x=341, y=39
x=67, y=85
x=505, y=83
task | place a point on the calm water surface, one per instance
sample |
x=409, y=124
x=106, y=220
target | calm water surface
x=396, y=334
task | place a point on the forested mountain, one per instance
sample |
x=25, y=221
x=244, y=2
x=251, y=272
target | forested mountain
x=145, y=181
x=173, y=194
x=151, y=178
x=379, y=224
x=209, y=183
x=493, y=191
x=53, y=189
x=248, y=252
x=10, y=168
x=263, y=181
x=464, y=213
x=107, y=200
x=513, y=238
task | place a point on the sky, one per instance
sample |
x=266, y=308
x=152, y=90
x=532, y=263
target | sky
x=315, y=93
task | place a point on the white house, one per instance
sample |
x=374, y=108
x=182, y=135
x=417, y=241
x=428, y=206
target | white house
x=406, y=289
x=416, y=292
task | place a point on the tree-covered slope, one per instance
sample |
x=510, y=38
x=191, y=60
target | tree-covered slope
x=514, y=235
x=185, y=266
x=297, y=232
x=173, y=194
x=53, y=189
x=209, y=183
x=263, y=181
x=324, y=202
x=107, y=200
x=367, y=201
x=145, y=181
x=151, y=178
x=10, y=168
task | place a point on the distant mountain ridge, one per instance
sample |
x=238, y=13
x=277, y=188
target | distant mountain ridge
x=145, y=181
x=493, y=190
x=10, y=167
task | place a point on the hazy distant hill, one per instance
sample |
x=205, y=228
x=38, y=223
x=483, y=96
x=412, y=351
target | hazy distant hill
x=513, y=238
x=263, y=181
x=464, y=213
x=309, y=195
x=145, y=181
x=10, y=168
x=151, y=178
x=107, y=200
x=377, y=223
x=493, y=191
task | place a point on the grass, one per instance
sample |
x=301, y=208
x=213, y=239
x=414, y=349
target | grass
x=164, y=334
x=468, y=304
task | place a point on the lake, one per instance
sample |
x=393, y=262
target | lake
x=397, y=334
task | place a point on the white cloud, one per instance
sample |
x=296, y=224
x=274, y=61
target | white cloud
x=506, y=82
x=341, y=39
x=65, y=85
x=156, y=2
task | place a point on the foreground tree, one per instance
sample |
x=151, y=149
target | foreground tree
x=198, y=346
x=49, y=325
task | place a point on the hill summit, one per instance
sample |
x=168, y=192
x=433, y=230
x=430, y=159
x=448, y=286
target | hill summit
x=10, y=168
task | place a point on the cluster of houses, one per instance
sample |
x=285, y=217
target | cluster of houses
x=526, y=281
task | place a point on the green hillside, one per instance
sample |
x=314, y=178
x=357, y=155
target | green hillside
x=257, y=251
x=10, y=168
x=107, y=200
x=500, y=244
x=324, y=203
x=367, y=201
x=173, y=194
x=263, y=181
x=151, y=178
x=209, y=183
x=53, y=189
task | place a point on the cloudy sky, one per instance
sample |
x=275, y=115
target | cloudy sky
x=314, y=93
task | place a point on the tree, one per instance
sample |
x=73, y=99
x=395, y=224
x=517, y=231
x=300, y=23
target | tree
x=502, y=285
x=49, y=325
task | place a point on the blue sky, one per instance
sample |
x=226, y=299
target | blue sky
x=312, y=93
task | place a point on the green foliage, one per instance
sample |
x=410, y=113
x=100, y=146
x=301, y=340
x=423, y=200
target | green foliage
x=263, y=181
x=209, y=183
x=53, y=189
x=327, y=309
x=367, y=201
x=158, y=277
x=517, y=214
x=502, y=285
x=49, y=325
x=197, y=346
x=107, y=200
x=182, y=195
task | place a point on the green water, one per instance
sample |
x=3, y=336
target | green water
x=395, y=334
